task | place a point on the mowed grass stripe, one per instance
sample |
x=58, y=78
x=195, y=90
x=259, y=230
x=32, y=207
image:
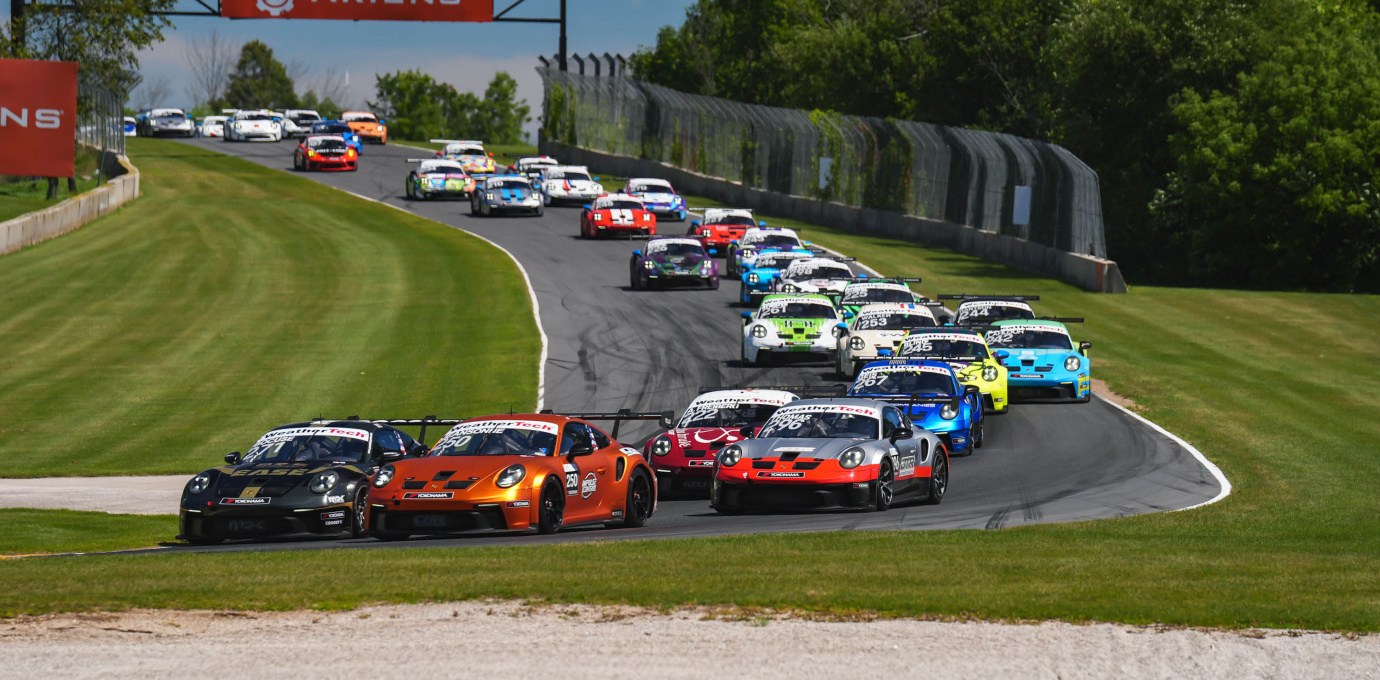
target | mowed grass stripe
x=232, y=298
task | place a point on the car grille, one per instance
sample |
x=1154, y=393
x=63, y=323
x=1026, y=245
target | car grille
x=805, y=465
x=763, y=464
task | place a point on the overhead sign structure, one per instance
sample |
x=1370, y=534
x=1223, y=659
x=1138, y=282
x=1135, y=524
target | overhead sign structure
x=38, y=117
x=361, y=10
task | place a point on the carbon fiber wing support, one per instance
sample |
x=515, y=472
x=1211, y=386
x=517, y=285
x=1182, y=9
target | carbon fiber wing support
x=798, y=390
x=966, y=296
x=1063, y=319
x=664, y=418
x=428, y=421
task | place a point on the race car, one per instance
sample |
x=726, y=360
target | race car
x=720, y=227
x=298, y=122
x=438, y=179
x=659, y=197
x=758, y=279
x=744, y=252
x=131, y=126
x=299, y=480
x=819, y=454
x=245, y=125
x=366, y=125
x=966, y=351
x=616, y=214
x=1042, y=359
x=166, y=123
x=533, y=166
x=505, y=193
x=529, y=472
x=563, y=183
x=815, y=275
x=335, y=127
x=930, y=394
x=865, y=290
x=797, y=326
x=980, y=310
x=669, y=260
x=212, y=126
x=470, y=155
x=877, y=330
x=324, y=152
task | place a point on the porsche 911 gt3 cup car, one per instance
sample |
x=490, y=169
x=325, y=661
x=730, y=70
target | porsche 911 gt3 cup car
x=335, y=127
x=980, y=310
x=367, y=126
x=671, y=260
x=966, y=351
x=245, y=126
x=659, y=197
x=865, y=290
x=324, y=152
x=298, y=122
x=931, y=395
x=797, y=326
x=506, y=193
x=131, y=126
x=759, y=278
x=876, y=331
x=817, y=454
x=470, y=155
x=720, y=227
x=438, y=179
x=616, y=214
x=569, y=183
x=1042, y=359
x=301, y=479
x=212, y=126
x=683, y=457
x=816, y=275
x=167, y=123
x=533, y=166
x=743, y=253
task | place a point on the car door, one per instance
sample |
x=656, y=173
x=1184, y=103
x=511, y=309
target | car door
x=605, y=464
x=582, y=474
x=903, y=452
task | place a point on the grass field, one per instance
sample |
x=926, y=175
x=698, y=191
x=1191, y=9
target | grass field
x=230, y=297
x=21, y=196
x=28, y=532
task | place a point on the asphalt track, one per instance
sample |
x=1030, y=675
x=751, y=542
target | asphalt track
x=611, y=347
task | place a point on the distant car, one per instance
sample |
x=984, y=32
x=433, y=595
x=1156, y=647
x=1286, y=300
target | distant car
x=335, y=127
x=438, y=179
x=790, y=326
x=568, y=183
x=868, y=290
x=131, y=126
x=300, y=120
x=758, y=279
x=815, y=275
x=683, y=456
x=616, y=214
x=506, y=193
x=324, y=152
x=720, y=227
x=980, y=310
x=1042, y=360
x=877, y=331
x=367, y=126
x=167, y=123
x=260, y=125
x=743, y=253
x=470, y=154
x=966, y=351
x=212, y=126
x=532, y=166
x=659, y=197
x=930, y=394
x=671, y=260
x=299, y=480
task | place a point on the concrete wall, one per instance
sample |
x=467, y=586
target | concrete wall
x=74, y=212
x=1087, y=272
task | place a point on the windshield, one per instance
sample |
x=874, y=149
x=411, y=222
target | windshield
x=990, y=313
x=777, y=261
x=727, y=415
x=310, y=444
x=569, y=176
x=171, y=116
x=498, y=438
x=903, y=380
x=774, y=241
x=619, y=205
x=458, y=150
x=213, y=120
x=360, y=118
x=817, y=422
x=510, y=184
x=305, y=118
x=819, y=271
x=675, y=249
x=256, y=116
x=326, y=143
x=332, y=128
x=786, y=309
x=892, y=321
x=1028, y=338
x=861, y=295
x=942, y=347
x=651, y=189
x=730, y=221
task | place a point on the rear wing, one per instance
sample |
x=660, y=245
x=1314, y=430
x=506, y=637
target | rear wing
x=966, y=296
x=912, y=399
x=1063, y=319
x=798, y=390
x=428, y=421
x=879, y=279
x=664, y=418
x=456, y=141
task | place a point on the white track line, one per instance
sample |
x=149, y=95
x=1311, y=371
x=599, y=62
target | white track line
x=531, y=292
x=1216, y=471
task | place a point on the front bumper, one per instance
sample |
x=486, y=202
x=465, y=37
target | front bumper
x=388, y=514
x=804, y=350
x=223, y=523
x=610, y=230
x=572, y=195
x=1052, y=385
x=684, y=475
x=668, y=210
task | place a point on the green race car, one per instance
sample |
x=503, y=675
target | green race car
x=794, y=325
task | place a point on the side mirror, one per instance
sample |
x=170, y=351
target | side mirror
x=806, y=243
x=637, y=253
x=902, y=433
x=694, y=223
x=1084, y=347
x=747, y=431
x=596, y=179
x=840, y=330
x=972, y=389
x=233, y=458
x=847, y=314
x=747, y=317
x=1001, y=354
x=762, y=223
x=580, y=449
x=418, y=450
x=390, y=456
x=586, y=206
x=491, y=154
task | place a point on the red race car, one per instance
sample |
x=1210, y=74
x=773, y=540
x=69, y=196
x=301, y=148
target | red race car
x=616, y=214
x=683, y=456
x=325, y=152
x=721, y=226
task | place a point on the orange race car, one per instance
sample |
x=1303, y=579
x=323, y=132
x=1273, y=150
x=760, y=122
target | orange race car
x=366, y=125
x=521, y=472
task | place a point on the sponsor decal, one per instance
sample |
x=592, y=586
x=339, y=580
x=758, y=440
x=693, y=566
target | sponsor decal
x=245, y=501
x=879, y=319
x=333, y=522
x=794, y=449
x=427, y=495
x=245, y=526
x=362, y=10
x=780, y=475
x=334, y=514
x=856, y=292
x=491, y=426
x=616, y=513
x=660, y=245
x=1027, y=375
x=905, y=465
x=736, y=399
x=589, y=486
x=433, y=521
x=630, y=452
x=828, y=408
x=572, y=482
x=518, y=504
x=332, y=500
x=38, y=117
x=700, y=463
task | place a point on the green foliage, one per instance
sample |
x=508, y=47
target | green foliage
x=103, y=35
x=260, y=81
x=328, y=109
x=417, y=106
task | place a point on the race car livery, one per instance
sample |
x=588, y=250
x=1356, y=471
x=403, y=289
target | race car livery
x=875, y=331
x=366, y=125
x=865, y=290
x=469, y=154
x=818, y=454
x=795, y=326
x=438, y=179
x=980, y=310
x=569, y=183
x=166, y=123
x=244, y=126
x=520, y=472
x=720, y=227
x=533, y=166
x=966, y=351
x=816, y=275
x=744, y=252
x=683, y=456
x=324, y=152
x=758, y=278
x=212, y=126
x=299, y=122
x=618, y=214
x=506, y=193
x=1041, y=359
x=930, y=394
x=659, y=197
x=671, y=260
x=131, y=126
x=335, y=127
x=299, y=480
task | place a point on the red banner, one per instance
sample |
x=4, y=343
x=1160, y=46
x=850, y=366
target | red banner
x=38, y=117
x=361, y=10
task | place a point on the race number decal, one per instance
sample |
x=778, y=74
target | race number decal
x=572, y=483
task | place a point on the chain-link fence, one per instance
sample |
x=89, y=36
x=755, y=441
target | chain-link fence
x=997, y=183
x=100, y=129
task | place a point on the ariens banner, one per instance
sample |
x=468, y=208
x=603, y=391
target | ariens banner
x=38, y=117
x=361, y=10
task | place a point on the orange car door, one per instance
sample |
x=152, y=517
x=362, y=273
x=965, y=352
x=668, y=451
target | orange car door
x=581, y=474
x=605, y=464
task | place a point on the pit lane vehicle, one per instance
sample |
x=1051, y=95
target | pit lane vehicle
x=244, y=126
x=743, y=253
x=212, y=126
x=166, y=123
x=929, y=393
x=299, y=122
x=299, y=480
x=616, y=214
x=816, y=276
x=324, y=152
x=335, y=127
x=529, y=472
x=533, y=166
x=366, y=125
x=669, y=260
x=819, y=454
x=798, y=326
x=966, y=351
x=506, y=193
x=720, y=227
x=877, y=330
x=659, y=197
x=131, y=126
x=470, y=154
x=758, y=279
x=981, y=310
x=564, y=183
x=1041, y=358
x=438, y=179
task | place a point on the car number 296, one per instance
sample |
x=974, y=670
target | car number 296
x=244, y=525
x=429, y=521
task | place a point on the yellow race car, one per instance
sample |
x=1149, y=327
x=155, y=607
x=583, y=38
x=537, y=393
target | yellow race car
x=966, y=351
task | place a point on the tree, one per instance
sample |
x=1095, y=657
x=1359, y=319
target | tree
x=500, y=117
x=103, y=35
x=259, y=81
x=152, y=92
x=209, y=59
x=417, y=106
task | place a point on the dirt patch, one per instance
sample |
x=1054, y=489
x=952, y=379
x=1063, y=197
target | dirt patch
x=505, y=639
x=1101, y=388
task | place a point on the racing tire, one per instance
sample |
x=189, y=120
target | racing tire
x=745, y=363
x=939, y=479
x=474, y=207
x=205, y=541
x=551, y=508
x=541, y=210
x=640, y=501
x=409, y=188
x=296, y=163
x=358, y=511
x=713, y=283
x=981, y=436
x=885, y=491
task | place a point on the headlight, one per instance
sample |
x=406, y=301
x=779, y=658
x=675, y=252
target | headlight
x=856, y=344
x=1072, y=364
x=759, y=331
x=384, y=476
x=661, y=446
x=851, y=458
x=646, y=217
x=730, y=456
x=323, y=482
x=989, y=373
x=649, y=264
x=199, y=483
x=599, y=189
x=752, y=278
x=511, y=476
x=789, y=288
x=948, y=412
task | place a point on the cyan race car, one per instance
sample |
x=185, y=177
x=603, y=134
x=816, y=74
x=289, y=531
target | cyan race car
x=671, y=260
x=742, y=252
x=757, y=280
x=1041, y=359
x=506, y=193
x=659, y=197
x=980, y=310
x=797, y=326
x=932, y=397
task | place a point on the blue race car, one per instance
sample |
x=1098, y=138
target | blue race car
x=335, y=127
x=742, y=252
x=659, y=197
x=1041, y=360
x=765, y=269
x=932, y=397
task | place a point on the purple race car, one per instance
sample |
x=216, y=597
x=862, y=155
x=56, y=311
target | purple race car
x=670, y=260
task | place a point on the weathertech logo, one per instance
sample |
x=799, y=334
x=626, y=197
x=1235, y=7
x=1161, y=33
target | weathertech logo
x=43, y=119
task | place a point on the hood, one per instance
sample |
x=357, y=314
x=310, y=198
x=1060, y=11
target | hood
x=272, y=479
x=801, y=327
x=684, y=261
x=808, y=449
x=704, y=438
x=658, y=197
x=449, y=473
x=509, y=195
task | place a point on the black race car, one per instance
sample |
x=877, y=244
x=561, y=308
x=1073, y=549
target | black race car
x=299, y=480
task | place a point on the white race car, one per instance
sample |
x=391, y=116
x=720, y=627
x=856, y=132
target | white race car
x=247, y=125
x=790, y=325
x=161, y=122
x=743, y=254
x=981, y=310
x=213, y=126
x=816, y=275
x=569, y=183
x=298, y=122
x=533, y=166
x=877, y=330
